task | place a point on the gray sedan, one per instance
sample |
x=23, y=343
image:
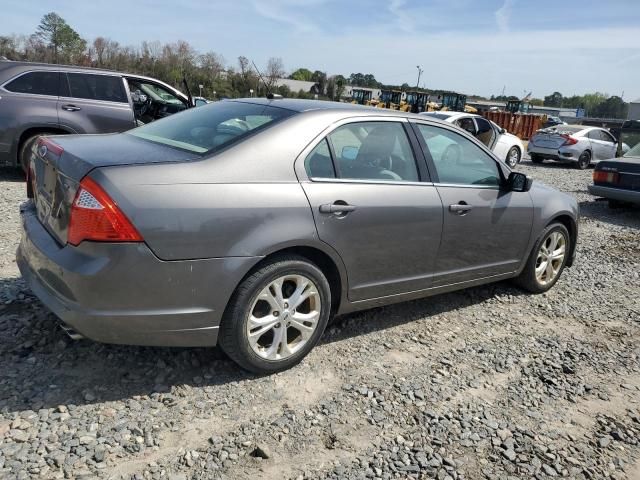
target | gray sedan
x=250, y=223
x=574, y=144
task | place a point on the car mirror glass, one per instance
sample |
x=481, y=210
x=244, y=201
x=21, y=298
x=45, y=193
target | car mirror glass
x=519, y=182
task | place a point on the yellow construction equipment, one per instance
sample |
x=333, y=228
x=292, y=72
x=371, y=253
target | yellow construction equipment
x=390, y=99
x=360, y=96
x=415, y=102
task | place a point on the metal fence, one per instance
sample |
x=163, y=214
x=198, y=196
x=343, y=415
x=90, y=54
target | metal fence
x=519, y=124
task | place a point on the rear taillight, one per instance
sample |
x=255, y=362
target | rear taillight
x=605, y=177
x=569, y=140
x=50, y=145
x=96, y=217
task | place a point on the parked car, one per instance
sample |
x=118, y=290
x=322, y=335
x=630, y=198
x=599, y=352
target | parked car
x=576, y=144
x=553, y=121
x=249, y=223
x=506, y=146
x=38, y=99
x=618, y=179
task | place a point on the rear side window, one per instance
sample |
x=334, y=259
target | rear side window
x=211, y=127
x=97, y=87
x=37, y=83
x=318, y=163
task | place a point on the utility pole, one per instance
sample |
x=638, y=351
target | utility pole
x=419, y=73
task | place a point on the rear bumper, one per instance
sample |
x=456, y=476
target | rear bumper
x=122, y=293
x=551, y=153
x=619, y=194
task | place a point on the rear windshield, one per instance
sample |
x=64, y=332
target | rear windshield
x=560, y=129
x=211, y=127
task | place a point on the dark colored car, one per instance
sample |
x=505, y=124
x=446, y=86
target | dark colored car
x=618, y=179
x=38, y=99
x=249, y=223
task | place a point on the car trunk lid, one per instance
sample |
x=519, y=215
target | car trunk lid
x=548, y=139
x=59, y=163
x=627, y=170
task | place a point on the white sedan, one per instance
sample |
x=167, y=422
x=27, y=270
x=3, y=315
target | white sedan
x=504, y=145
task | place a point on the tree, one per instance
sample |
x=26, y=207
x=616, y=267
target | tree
x=301, y=74
x=63, y=40
x=274, y=71
x=321, y=79
x=553, y=100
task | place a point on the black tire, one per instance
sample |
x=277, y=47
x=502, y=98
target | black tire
x=232, y=336
x=527, y=278
x=584, y=160
x=536, y=159
x=513, y=151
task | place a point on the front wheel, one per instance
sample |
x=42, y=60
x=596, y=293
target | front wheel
x=513, y=157
x=276, y=315
x=547, y=259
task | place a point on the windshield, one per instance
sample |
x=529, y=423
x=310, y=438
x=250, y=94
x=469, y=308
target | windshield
x=210, y=127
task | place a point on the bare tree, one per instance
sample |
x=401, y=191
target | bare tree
x=275, y=70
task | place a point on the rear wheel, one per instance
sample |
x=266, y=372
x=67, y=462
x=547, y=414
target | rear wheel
x=536, y=158
x=276, y=315
x=547, y=259
x=513, y=157
x=585, y=160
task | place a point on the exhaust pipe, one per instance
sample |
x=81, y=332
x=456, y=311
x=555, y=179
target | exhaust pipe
x=73, y=335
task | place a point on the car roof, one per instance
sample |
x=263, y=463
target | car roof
x=300, y=105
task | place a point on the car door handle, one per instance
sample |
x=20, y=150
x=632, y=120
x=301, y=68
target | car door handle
x=337, y=208
x=70, y=108
x=460, y=208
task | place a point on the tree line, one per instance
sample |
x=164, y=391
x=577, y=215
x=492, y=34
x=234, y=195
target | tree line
x=55, y=41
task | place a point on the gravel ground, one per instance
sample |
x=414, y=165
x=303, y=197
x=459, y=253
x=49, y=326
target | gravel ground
x=485, y=383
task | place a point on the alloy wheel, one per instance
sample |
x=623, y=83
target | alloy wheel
x=550, y=257
x=513, y=157
x=283, y=317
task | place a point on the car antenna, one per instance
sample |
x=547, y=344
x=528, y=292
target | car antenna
x=186, y=87
x=270, y=95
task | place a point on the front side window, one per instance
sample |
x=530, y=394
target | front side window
x=212, y=127
x=36, y=83
x=107, y=88
x=485, y=131
x=457, y=159
x=373, y=151
x=605, y=137
x=466, y=123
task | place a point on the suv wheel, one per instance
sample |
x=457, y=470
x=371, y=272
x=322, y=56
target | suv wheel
x=276, y=315
x=547, y=259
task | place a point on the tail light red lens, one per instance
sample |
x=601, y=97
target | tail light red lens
x=51, y=146
x=605, y=177
x=96, y=217
x=569, y=140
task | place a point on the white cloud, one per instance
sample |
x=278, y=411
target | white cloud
x=286, y=11
x=503, y=15
x=403, y=18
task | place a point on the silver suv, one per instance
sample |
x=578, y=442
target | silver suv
x=37, y=99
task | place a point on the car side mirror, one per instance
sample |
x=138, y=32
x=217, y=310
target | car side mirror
x=519, y=182
x=502, y=131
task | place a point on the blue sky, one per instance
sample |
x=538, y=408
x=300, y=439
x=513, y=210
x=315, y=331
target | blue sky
x=472, y=46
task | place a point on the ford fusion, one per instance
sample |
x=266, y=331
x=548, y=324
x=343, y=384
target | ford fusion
x=250, y=223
